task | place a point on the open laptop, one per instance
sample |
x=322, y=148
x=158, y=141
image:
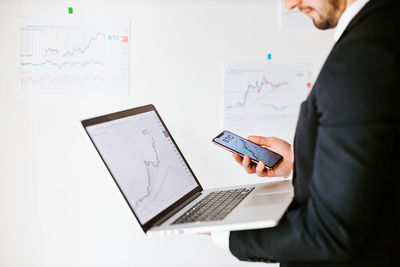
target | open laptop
x=162, y=190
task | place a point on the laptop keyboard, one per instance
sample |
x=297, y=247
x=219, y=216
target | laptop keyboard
x=215, y=206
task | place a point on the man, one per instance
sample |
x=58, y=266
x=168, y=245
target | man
x=346, y=206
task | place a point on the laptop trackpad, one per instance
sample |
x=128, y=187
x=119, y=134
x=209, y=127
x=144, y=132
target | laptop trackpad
x=259, y=200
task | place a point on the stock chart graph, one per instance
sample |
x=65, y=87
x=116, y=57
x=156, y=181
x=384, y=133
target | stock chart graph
x=144, y=161
x=264, y=97
x=75, y=56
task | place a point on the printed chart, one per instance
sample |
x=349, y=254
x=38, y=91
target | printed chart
x=75, y=56
x=264, y=98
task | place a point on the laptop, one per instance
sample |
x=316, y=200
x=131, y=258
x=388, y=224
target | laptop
x=160, y=187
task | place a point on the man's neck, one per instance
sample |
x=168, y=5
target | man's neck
x=345, y=5
x=349, y=2
x=352, y=7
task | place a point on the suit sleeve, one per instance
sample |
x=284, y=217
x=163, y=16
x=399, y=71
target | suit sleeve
x=354, y=159
x=348, y=179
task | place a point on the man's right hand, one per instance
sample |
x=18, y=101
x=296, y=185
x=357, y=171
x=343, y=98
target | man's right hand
x=283, y=148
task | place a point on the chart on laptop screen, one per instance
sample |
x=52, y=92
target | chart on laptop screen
x=144, y=162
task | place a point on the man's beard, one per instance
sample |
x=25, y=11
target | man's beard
x=329, y=18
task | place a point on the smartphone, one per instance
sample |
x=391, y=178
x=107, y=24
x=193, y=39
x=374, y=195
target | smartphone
x=242, y=146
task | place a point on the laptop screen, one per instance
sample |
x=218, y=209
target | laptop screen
x=144, y=162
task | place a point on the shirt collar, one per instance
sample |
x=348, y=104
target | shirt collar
x=347, y=16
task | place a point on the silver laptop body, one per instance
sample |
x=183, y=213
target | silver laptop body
x=162, y=190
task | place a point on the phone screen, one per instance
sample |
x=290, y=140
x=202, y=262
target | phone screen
x=245, y=147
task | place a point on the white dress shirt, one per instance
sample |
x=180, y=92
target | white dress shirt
x=350, y=12
x=221, y=238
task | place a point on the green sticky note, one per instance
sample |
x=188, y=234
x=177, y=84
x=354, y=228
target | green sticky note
x=70, y=10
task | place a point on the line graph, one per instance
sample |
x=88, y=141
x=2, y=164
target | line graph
x=150, y=166
x=274, y=107
x=264, y=97
x=161, y=164
x=262, y=88
x=62, y=80
x=60, y=65
x=83, y=50
x=144, y=162
x=50, y=51
x=75, y=48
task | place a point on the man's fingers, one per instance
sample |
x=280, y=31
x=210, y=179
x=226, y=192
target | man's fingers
x=255, y=139
x=274, y=144
x=261, y=140
x=260, y=168
x=264, y=172
x=246, y=163
x=237, y=158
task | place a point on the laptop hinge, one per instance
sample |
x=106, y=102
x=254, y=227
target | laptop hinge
x=174, y=211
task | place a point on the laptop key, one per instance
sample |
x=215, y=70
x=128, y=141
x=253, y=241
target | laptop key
x=215, y=206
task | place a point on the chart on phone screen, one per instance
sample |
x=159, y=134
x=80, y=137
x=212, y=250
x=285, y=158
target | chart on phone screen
x=244, y=147
x=264, y=97
x=144, y=162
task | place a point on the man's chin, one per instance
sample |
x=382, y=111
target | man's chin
x=323, y=26
x=320, y=24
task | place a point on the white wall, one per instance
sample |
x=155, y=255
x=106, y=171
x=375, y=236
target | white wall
x=58, y=204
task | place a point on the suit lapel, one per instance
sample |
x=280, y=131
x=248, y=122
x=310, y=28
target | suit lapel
x=371, y=6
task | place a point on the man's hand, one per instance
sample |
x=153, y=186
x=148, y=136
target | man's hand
x=283, y=148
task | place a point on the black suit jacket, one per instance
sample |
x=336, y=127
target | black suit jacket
x=346, y=173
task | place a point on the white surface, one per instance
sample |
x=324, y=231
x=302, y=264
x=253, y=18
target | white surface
x=58, y=204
